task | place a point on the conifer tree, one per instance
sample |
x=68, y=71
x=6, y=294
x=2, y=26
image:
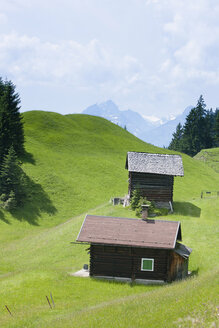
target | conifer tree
x=176, y=142
x=11, y=126
x=1, y=86
x=216, y=129
x=200, y=131
x=194, y=134
x=136, y=195
x=209, y=129
x=11, y=180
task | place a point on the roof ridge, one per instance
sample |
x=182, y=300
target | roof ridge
x=159, y=154
x=134, y=219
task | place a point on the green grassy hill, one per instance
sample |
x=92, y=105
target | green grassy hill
x=75, y=163
x=209, y=157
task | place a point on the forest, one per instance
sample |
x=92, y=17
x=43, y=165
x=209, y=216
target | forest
x=200, y=131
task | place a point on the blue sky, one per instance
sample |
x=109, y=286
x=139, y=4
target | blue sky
x=152, y=56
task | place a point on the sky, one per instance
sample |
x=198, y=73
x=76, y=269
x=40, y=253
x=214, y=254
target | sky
x=155, y=57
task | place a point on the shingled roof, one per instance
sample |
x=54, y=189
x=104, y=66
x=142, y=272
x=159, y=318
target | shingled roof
x=130, y=232
x=154, y=163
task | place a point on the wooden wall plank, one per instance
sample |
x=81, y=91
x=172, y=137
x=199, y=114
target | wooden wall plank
x=128, y=262
x=155, y=187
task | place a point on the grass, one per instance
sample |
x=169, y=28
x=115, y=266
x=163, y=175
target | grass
x=41, y=263
x=76, y=163
x=210, y=157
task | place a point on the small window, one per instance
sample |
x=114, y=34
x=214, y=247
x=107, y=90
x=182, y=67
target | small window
x=147, y=264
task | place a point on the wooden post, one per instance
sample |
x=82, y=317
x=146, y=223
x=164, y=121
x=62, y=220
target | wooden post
x=52, y=299
x=48, y=302
x=8, y=310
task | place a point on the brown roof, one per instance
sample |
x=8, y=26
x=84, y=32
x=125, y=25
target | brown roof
x=130, y=232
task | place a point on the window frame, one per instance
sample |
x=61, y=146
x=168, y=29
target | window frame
x=150, y=259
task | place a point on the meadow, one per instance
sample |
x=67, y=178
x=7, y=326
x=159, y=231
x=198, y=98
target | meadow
x=209, y=157
x=75, y=164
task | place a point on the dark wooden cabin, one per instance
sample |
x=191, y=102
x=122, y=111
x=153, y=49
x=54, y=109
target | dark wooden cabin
x=153, y=175
x=135, y=249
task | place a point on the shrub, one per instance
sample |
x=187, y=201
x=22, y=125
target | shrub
x=144, y=201
x=135, y=199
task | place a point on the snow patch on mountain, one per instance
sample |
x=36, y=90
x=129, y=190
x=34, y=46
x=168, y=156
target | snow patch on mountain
x=157, y=131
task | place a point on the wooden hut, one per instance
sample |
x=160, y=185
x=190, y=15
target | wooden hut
x=153, y=175
x=135, y=249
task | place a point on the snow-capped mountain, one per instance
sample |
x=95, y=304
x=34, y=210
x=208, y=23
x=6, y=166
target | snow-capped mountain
x=133, y=121
x=162, y=135
x=156, y=132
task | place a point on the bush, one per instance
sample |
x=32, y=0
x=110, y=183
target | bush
x=144, y=201
x=135, y=199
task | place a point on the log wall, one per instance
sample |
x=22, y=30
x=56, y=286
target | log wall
x=125, y=262
x=178, y=267
x=156, y=187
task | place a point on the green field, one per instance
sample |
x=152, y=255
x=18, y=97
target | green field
x=210, y=157
x=75, y=164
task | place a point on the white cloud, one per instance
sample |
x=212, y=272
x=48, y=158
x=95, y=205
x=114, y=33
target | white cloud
x=190, y=47
x=28, y=59
x=3, y=18
x=148, y=55
x=194, y=31
x=8, y=5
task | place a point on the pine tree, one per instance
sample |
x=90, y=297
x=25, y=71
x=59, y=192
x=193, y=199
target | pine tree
x=194, y=130
x=216, y=129
x=176, y=142
x=11, y=126
x=1, y=87
x=11, y=180
x=136, y=195
x=200, y=131
x=209, y=128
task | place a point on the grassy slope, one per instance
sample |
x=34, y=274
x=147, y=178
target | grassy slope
x=210, y=157
x=78, y=163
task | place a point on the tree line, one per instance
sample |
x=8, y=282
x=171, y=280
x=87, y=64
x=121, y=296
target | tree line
x=11, y=147
x=200, y=131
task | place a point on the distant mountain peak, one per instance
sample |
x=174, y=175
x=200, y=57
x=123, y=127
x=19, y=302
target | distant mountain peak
x=150, y=129
x=133, y=121
x=109, y=103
